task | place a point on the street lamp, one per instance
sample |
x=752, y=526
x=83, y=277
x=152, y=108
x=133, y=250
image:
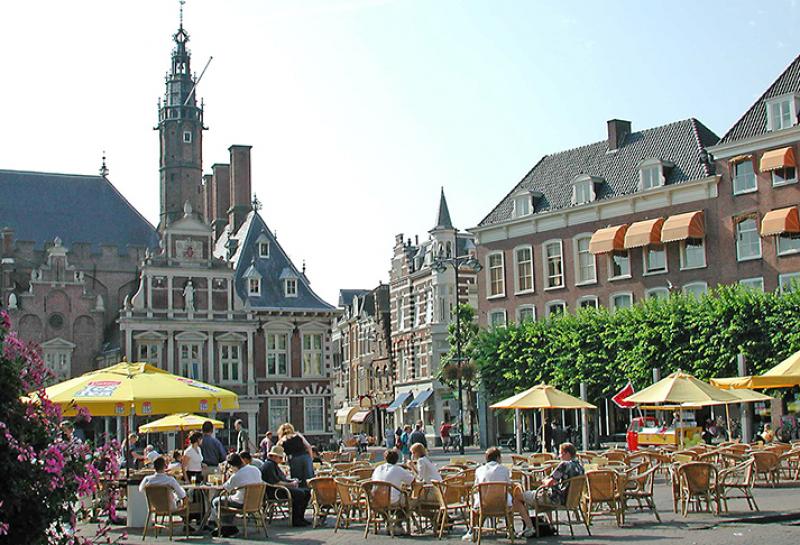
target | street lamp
x=440, y=265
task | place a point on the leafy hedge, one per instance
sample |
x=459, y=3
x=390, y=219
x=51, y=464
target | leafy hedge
x=606, y=349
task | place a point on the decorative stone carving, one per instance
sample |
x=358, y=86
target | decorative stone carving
x=188, y=296
x=99, y=304
x=12, y=301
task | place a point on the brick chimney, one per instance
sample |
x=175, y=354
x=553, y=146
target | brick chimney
x=240, y=194
x=618, y=130
x=220, y=197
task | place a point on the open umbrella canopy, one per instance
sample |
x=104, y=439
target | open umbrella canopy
x=745, y=395
x=680, y=388
x=179, y=422
x=542, y=396
x=138, y=388
x=784, y=375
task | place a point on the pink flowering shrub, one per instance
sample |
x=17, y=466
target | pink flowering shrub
x=48, y=484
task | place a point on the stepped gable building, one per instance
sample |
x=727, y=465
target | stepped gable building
x=62, y=279
x=610, y=223
x=759, y=193
x=222, y=302
x=422, y=302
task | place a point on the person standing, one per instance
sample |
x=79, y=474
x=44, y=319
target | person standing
x=266, y=445
x=405, y=442
x=211, y=447
x=193, y=458
x=389, y=437
x=298, y=450
x=444, y=433
x=271, y=473
x=243, y=442
x=362, y=442
x=418, y=435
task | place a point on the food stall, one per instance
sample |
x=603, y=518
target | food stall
x=647, y=431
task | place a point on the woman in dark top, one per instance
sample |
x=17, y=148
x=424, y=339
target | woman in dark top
x=299, y=452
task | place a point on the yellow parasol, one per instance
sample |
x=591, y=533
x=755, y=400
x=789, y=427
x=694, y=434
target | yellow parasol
x=179, y=422
x=680, y=388
x=542, y=396
x=784, y=375
x=126, y=389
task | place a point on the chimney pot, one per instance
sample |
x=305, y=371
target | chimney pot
x=240, y=194
x=618, y=130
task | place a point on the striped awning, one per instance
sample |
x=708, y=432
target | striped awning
x=683, y=226
x=398, y=402
x=644, y=233
x=420, y=400
x=344, y=415
x=777, y=158
x=363, y=416
x=607, y=240
x=777, y=222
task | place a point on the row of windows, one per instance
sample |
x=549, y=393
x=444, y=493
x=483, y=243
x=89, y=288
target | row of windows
x=744, y=177
x=654, y=257
x=313, y=413
x=748, y=240
x=289, y=287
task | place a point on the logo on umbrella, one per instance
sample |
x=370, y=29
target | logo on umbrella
x=119, y=408
x=147, y=407
x=203, y=404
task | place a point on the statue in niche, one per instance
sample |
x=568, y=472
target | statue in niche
x=188, y=296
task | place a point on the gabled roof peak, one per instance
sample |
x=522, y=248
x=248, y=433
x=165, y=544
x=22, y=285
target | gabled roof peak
x=443, y=217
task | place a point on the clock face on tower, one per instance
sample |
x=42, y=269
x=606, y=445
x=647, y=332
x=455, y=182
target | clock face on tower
x=188, y=250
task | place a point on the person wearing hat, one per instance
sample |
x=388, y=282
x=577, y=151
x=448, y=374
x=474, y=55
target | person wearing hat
x=271, y=473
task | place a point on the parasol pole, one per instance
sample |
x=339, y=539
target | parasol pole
x=728, y=421
x=518, y=429
x=680, y=423
x=544, y=448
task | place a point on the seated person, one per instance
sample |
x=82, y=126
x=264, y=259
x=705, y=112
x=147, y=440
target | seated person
x=390, y=472
x=554, y=489
x=243, y=475
x=175, y=464
x=247, y=458
x=150, y=454
x=271, y=473
x=315, y=456
x=160, y=478
x=426, y=470
x=493, y=472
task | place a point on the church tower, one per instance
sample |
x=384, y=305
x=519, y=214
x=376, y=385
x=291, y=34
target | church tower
x=180, y=128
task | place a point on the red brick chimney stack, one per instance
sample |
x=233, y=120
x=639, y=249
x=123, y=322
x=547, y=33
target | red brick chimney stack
x=240, y=194
x=618, y=130
x=220, y=197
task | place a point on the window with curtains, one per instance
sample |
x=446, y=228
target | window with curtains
x=748, y=239
x=651, y=177
x=278, y=412
x=313, y=415
x=278, y=354
x=781, y=113
x=744, y=178
x=230, y=362
x=496, y=272
x=585, y=263
x=522, y=206
x=524, y=260
x=655, y=258
x=254, y=286
x=583, y=192
x=621, y=300
x=554, y=265
x=312, y=355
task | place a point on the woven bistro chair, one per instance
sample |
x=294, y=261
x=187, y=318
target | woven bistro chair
x=616, y=456
x=159, y=505
x=381, y=509
x=790, y=464
x=493, y=505
x=740, y=478
x=361, y=473
x=518, y=460
x=253, y=505
x=639, y=488
x=351, y=503
x=573, y=505
x=278, y=500
x=604, y=488
x=541, y=457
x=767, y=464
x=453, y=500
x=324, y=498
x=698, y=483
x=329, y=456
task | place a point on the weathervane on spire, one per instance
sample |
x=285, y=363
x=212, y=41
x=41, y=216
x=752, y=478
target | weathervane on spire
x=103, y=167
x=256, y=203
x=181, y=2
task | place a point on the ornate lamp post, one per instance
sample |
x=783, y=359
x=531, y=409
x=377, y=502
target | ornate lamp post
x=440, y=265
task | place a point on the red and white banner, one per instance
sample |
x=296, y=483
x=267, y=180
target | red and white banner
x=620, y=397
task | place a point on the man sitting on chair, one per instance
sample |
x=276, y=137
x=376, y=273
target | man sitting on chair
x=554, y=488
x=160, y=478
x=271, y=473
x=390, y=472
x=243, y=475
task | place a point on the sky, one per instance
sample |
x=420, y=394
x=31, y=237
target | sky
x=359, y=111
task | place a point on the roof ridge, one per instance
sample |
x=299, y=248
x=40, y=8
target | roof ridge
x=514, y=189
x=696, y=131
x=51, y=173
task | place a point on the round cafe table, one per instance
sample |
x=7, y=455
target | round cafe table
x=209, y=491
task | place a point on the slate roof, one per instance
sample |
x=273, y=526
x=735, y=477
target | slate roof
x=346, y=296
x=40, y=206
x=754, y=121
x=443, y=217
x=680, y=143
x=272, y=269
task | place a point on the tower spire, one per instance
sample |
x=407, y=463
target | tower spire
x=443, y=217
x=180, y=16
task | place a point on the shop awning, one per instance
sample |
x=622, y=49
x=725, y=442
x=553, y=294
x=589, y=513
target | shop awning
x=344, y=415
x=644, y=233
x=777, y=222
x=607, y=240
x=398, y=402
x=362, y=417
x=683, y=226
x=777, y=158
x=420, y=400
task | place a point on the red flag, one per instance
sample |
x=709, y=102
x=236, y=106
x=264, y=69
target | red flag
x=620, y=397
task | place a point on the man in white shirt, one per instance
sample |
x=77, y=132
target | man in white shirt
x=390, y=472
x=248, y=459
x=243, y=475
x=160, y=478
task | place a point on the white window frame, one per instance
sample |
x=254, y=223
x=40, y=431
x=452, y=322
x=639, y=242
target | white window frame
x=313, y=351
x=254, y=287
x=610, y=257
x=585, y=184
x=546, y=264
x=738, y=222
x=191, y=359
x=646, y=252
x=262, y=245
x=552, y=304
x=522, y=308
x=586, y=299
x=276, y=351
x=517, y=277
x=59, y=361
x=502, y=267
x=754, y=283
x=229, y=361
x=685, y=267
x=647, y=170
x=290, y=286
x=774, y=124
x=687, y=288
x=782, y=181
x=576, y=255
x=612, y=304
x=734, y=176
x=782, y=279
x=272, y=405
x=522, y=198
x=187, y=137
x=152, y=354
x=784, y=236
x=497, y=312
x=307, y=428
x=653, y=293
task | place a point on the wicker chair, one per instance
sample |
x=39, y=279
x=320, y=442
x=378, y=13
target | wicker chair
x=698, y=482
x=278, y=500
x=604, y=487
x=541, y=457
x=351, y=502
x=518, y=460
x=767, y=464
x=361, y=473
x=329, y=456
x=790, y=464
x=253, y=505
x=453, y=499
x=323, y=497
x=739, y=478
x=493, y=504
x=639, y=487
x=616, y=456
x=159, y=505
x=572, y=505
x=380, y=507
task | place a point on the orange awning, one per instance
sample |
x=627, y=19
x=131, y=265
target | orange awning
x=777, y=158
x=608, y=239
x=784, y=220
x=644, y=233
x=740, y=158
x=683, y=226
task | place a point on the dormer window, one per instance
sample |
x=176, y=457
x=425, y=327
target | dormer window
x=290, y=287
x=781, y=112
x=254, y=287
x=263, y=249
x=522, y=204
x=583, y=189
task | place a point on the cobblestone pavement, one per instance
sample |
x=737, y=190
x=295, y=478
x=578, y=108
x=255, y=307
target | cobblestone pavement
x=778, y=523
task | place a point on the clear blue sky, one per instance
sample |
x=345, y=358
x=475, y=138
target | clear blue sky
x=358, y=111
